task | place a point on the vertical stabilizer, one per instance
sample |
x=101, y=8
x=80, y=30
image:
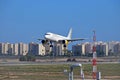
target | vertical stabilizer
x=70, y=33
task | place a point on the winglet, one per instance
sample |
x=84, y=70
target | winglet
x=70, y=33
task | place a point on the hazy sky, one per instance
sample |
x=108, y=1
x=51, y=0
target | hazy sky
x=28, y=20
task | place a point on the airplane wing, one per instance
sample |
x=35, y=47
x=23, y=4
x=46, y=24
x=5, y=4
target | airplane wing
x=77, y=39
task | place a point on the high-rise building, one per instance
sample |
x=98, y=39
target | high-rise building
x=102, y=49
x=111, y=46
x=41, y=50
x=83, y=49
x=10, y=49
x=22, y=49
x=1, y=48
x=37, y=49
x=25, y=49
x=33, y=48
x=78, y=49
x=105, y=48
x=117, y=49
x=15, y=49
x=58, y=49
x=5, y=50
x=88, y=47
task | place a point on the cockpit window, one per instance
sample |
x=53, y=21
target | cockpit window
x=47, y=34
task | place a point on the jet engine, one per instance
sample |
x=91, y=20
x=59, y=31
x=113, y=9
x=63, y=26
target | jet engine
x=65, y=42
x=44, y=41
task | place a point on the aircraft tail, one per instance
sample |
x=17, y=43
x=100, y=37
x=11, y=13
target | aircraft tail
x=70, y=33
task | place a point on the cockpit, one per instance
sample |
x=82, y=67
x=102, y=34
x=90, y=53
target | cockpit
x=48, y=33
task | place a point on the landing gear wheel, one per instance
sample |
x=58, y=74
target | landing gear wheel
x=51, y=45
x=64, y=46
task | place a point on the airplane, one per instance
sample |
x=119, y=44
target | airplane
x=52, y=37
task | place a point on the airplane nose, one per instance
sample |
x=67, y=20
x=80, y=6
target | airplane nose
x=45, y=36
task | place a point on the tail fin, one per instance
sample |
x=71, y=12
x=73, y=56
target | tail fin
x=70, y=33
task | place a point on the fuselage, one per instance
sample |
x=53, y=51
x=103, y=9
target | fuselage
x=54, y=37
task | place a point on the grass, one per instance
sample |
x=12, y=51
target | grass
x=110, y=69
x=53, y=72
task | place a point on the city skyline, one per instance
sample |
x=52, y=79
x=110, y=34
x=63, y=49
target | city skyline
x=28, y=20
x=102, y=48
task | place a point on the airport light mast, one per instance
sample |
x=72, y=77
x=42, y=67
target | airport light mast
x=94, y=60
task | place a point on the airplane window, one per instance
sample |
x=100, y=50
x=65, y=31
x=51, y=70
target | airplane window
x=47, y=34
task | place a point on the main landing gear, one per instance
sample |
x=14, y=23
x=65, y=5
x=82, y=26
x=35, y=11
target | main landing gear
x=51, y=44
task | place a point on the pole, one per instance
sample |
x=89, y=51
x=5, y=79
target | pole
x=94, y=61
x=71, y=73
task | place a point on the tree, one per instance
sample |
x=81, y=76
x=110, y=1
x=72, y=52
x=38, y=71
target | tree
x=28, y=57
x=23, y=58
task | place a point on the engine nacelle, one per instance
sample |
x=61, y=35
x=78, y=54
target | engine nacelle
x=65, y=42
x=44, y=41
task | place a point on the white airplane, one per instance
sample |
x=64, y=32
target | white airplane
x=52, y=37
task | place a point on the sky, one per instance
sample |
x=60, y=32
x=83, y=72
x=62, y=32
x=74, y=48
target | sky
x=27, y=20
